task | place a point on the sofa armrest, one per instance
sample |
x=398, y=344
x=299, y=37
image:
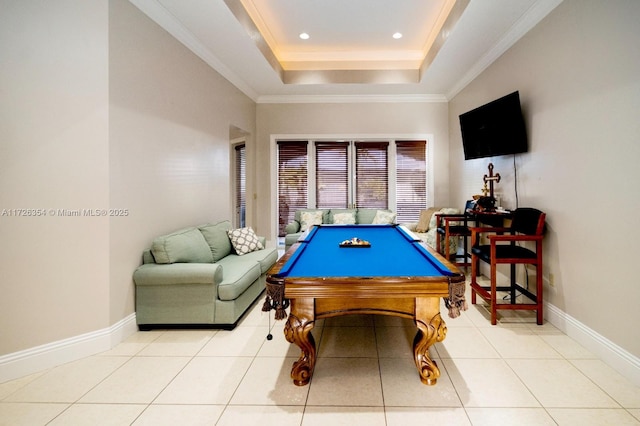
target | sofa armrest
x=178, y=273
x=292, y=228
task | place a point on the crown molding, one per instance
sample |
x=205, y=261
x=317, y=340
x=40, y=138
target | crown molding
x=156, y=12
x=335, y=99
x=530, y=19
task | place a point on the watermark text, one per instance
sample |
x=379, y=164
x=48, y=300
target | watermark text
x=57, y=212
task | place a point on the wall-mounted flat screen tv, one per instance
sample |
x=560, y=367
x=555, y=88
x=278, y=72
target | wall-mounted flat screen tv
x=496, y=128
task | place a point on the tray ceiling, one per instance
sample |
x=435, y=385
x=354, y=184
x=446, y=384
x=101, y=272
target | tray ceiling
x=350, y=53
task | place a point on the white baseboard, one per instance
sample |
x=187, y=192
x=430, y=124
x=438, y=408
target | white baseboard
x=613, y=355
x=29, y=361
x=33, y=360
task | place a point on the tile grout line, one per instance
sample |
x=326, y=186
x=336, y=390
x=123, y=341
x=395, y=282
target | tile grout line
x=129, y=358
x=148, y=405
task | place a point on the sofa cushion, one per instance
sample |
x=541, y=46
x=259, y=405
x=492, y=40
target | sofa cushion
x=184, y=246
x=365, y=216
x=239, y=273
x=342, y=216
x=147, y=257
x=310, y=218
x=265, y=258
x=216, y=235
x=244, y=240
x=384, y=217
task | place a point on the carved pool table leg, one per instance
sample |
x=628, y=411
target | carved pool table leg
x=298, y=330
x=431, y=329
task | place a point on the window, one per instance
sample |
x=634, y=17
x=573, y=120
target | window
x=372, y=175
x=241, y=185
x=335, y=188
x=332, y=175
x=411, y=179
x=292, y=181
x=337, y=174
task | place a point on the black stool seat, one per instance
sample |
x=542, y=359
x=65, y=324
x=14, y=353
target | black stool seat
x=503, y=252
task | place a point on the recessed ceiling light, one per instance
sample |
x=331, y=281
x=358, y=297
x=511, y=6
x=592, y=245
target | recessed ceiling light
x=304, y=36
x=397, y=35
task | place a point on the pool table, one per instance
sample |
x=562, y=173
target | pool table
x=389, y=273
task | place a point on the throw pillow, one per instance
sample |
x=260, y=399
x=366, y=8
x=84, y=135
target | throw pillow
x=244, y=240
x=344, y=218
x=310, y=218
x=444, y=210
x=384, y=218
x=425, y=219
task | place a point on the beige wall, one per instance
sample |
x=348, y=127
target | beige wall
x=102, y=109
x=169, y=133
x=427, y=118
x=577, y=73
x=55, y=155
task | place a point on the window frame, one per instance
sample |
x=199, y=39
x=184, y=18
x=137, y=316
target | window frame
x=240, y=180
x=276, y=137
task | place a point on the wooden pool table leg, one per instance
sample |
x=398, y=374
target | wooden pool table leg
x=298, y=330
x=431, y=329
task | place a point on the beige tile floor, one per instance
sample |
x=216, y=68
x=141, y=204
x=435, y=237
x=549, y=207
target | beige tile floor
x=514, y=373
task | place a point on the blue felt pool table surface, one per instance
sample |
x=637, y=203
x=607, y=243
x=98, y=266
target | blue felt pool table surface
x=394, y=252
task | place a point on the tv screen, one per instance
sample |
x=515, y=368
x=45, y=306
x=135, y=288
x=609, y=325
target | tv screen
x=496, y=128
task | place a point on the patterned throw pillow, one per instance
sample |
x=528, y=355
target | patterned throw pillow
x=384, y=218
x=344, y=218
x=310, y=218
x=244, y=240
x=444, y=210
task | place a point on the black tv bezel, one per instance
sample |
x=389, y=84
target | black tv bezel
x=503, y=115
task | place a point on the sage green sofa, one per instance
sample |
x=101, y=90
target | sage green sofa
x=200, y=276
x=299, y=225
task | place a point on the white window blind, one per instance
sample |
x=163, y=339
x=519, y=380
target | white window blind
x=411, y=180
x=372, y=177
x=292, y=181
x=332, y=175
x=241, y=180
